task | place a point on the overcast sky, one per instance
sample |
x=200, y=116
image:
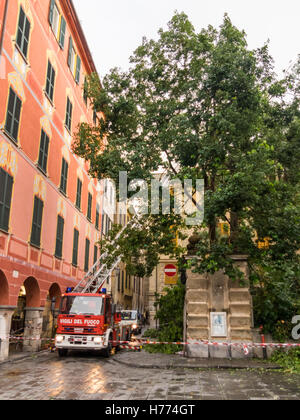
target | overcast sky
x=114, y=28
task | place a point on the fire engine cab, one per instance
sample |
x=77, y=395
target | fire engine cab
x=87, y=321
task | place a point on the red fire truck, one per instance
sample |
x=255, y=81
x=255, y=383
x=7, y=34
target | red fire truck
x=87, y=321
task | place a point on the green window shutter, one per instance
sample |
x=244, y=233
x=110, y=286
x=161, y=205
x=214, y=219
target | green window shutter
x=75, y=248
x=43, y=154
x=70, y=52
x=62, y=34
x=78, y=68
x=52, y=4
x=6, y=184
x=64, y=176
x=37, y=222
x=97, y=217
x=16, y=122
x=59, y=236
x=90, y=201
x=85, y=90
x=87, y=255
x=26, y=37
x=50, y=81
x=78, y=194
x=13, y=115
x=95, y=253
x=69, y=112
x=23, y=32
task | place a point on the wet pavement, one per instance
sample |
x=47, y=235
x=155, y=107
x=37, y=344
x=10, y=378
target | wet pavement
x=147, y=360
x=85, y=376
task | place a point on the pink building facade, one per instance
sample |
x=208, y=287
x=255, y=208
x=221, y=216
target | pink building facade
x=50, y=209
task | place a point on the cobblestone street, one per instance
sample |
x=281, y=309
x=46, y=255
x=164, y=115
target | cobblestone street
x=86, y=376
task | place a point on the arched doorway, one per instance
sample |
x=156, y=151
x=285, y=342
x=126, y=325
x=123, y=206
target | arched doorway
x=32, y=289
x=6, y=312
x=50, y=314
x=4, y=293
x=23, y=320
x=18, y=323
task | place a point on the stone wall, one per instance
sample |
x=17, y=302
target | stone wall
x=208, y=294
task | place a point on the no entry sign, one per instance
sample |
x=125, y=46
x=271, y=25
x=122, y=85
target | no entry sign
x=171, y=275
x=170, y=270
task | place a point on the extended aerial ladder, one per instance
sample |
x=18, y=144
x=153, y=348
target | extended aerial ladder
x=101, y=271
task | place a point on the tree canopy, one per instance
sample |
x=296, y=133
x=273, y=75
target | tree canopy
x=205, y=106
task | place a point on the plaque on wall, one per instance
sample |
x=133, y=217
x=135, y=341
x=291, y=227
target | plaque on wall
x=218, y=324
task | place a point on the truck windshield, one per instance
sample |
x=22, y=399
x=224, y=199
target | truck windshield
x=81, y=305
x=128, y=315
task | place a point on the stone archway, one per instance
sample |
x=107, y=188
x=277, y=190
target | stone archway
x=33, y=317
x=33, y=296
x=50, y=314
x=4, y=290
x=6, y=312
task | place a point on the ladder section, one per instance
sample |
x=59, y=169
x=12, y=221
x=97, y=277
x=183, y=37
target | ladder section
x=101, y=272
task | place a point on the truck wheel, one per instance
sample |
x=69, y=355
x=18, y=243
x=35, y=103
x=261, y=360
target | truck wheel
x=107, y=351
x=62, y=352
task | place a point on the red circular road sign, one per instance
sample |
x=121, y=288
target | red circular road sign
x=170, y=270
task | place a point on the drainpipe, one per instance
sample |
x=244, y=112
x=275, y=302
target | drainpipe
x=3, y=27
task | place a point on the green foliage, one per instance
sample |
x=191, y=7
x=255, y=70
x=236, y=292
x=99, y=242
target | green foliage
x=150, y=333
x=170, y=315
x=276, y=297
x=289, y=360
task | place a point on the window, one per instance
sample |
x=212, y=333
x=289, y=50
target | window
x=122, y=289
x=87, y=255
x=69, y=112
x=106, y=224
x=74, y=61
x=50, y=81
x=75, y=248
x=43, y=154
x=95, y=117
x=59, y=236
x=6, y=184
x=78, y=68
x=62, y=34
x=119, y=280
x=95, y=253
x=13, y=115
x=23, y=33
x=37, y=222
x=102, y=224
x=89, y=210
x=85, y=90
x=97, y=217
x=57, y=23
x=78, y=194
x=71, y=56
x=64, y=176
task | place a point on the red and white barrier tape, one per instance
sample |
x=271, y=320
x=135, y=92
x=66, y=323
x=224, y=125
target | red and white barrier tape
x=133, y=344
x=135, y=348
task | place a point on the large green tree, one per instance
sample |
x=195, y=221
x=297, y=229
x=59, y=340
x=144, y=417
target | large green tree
x=205, y=106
